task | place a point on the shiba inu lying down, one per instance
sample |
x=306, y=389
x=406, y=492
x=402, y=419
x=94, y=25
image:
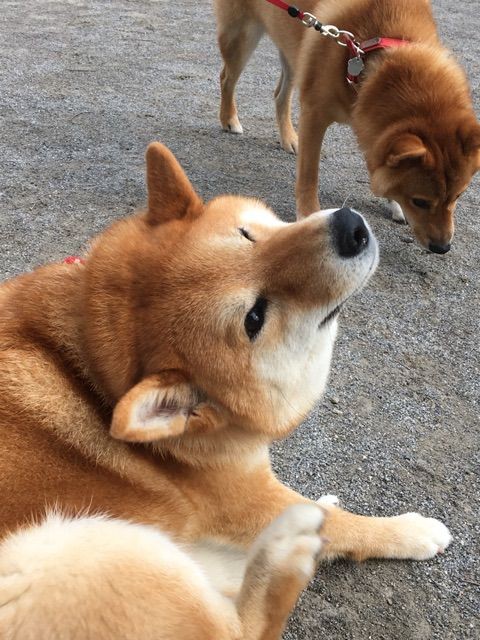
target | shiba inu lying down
x=139, y=393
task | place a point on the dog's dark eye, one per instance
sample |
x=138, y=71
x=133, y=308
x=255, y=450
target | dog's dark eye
x=246, y=234
x=420, y=203
x=255, y=318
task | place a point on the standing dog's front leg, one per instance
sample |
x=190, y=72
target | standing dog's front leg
x=313, y=123
x=281, y=563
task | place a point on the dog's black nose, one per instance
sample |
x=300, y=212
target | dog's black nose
x=350, y=234
x=439, y=248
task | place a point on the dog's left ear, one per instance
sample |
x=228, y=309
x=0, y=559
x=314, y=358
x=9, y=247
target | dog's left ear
x=154, y=408
x=170, y=193
x=162, y=406
x=469, y=134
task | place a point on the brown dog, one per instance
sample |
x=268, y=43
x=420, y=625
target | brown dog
x=411, y=109
x=146, y=384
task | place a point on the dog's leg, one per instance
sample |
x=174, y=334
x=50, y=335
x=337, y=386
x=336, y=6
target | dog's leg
x=408, y=536
x=238, y=35
x=312, y=126
x=283, y=105
x=264, y=498
x=282, y=563
x=397, y=213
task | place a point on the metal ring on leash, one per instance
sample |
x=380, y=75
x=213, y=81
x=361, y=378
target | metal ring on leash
x=341, y=32
x=329, y=30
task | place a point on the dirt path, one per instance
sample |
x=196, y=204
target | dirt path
x=84, y=87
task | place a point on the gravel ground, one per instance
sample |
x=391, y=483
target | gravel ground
x=84, y=87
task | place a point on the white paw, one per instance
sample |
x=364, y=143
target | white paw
x=397, y=213
x=421, y=538
x=292, y=542
x=328, y=501
x=233, y=126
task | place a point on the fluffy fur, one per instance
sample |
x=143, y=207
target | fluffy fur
x=411, y=112
x=130, y=388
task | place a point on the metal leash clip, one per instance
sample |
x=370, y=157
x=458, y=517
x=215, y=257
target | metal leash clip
x=348, y=36
x=331, y=31
x=308, y=19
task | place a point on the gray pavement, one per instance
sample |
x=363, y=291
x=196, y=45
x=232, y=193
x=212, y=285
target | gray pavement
x=85, y=85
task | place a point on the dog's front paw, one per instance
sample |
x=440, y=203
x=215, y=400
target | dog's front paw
x=420, y=538
x=328, y=500
x=292, y=543
x=397, y=213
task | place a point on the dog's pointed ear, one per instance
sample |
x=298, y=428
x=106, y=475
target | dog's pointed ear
x=407, y=146
x=157, y=407
x=170, y=194
x=469, y=135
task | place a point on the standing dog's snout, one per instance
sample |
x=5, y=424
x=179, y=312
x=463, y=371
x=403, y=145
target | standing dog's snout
x=350, y=233
x=439, y=248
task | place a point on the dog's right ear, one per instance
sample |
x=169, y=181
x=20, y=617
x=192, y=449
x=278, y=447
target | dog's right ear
x=157, y=407
x=170, y=194
x=405, y=147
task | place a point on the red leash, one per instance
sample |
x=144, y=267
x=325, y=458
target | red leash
x=290, y=9
x=309, y=20
x=357, y=50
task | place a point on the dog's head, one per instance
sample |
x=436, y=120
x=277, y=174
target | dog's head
x=424, y=144
x=426, y=171
x=217, y=317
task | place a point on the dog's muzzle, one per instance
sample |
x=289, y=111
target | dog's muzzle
x=349, y=232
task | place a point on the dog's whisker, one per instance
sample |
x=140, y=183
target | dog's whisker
x=345, y=201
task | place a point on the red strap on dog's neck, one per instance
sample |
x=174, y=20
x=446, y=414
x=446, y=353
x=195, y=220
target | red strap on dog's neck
x=367, y=46
x=382, y=43
x=73, y=260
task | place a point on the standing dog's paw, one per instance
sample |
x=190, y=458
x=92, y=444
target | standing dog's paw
x=233, y=125
x=397, y=213
x=420, y=538
x=292, y=542
x=290, y=143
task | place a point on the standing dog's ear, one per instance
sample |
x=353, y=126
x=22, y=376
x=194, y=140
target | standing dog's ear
x=163, y=406
x=469, y=134
x=406, y=147
x=170, y=194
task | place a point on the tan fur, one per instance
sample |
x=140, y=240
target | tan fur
x=130, y=388
x=417, y=91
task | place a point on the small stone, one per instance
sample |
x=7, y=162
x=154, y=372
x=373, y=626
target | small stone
x=334, y=400
x=389, y=595
x=337, y=412
x=406, y=239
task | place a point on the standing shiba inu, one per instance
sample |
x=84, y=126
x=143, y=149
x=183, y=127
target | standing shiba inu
x=411, y=109
x=140, y=389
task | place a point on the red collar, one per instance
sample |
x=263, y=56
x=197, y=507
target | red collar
x=73, y=260
x=356, y=63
